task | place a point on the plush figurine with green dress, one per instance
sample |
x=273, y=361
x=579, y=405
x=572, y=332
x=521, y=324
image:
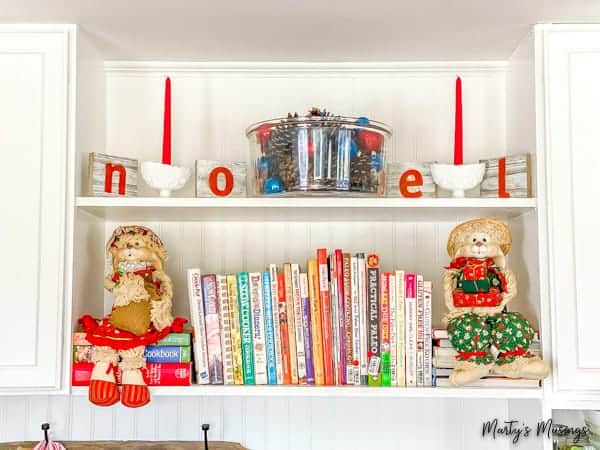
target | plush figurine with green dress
x=477, y=288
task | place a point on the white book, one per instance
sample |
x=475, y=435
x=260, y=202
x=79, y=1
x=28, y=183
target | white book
x=258, y=328
x=276, y=328
x=410, y=308
x=420, y=334
x=300, y=353
x=226, y=347
x=400, y=340
x=362, y=295
x=393, y=330
x=427, y=344
x=194, y=282
x=355, y=379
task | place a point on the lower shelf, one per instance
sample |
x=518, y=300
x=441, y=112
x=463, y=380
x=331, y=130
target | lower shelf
x=340, y=391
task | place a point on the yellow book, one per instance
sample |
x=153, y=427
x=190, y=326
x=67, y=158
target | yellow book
x=289, y=303
x=234, y=320
x=315, y=320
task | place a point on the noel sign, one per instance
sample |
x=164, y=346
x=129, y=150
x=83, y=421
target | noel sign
x=220, y=179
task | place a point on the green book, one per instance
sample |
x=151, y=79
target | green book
x=246, y=327
x=386, y=369
x=176, y=339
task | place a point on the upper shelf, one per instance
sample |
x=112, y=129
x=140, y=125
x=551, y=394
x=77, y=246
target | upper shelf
x=302, y=208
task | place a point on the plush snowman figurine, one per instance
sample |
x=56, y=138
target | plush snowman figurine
x=477, y=288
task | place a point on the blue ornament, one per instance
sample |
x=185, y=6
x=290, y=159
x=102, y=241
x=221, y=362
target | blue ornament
x=376, y=161
x=362, y=121
x=264, y=163
x=273, y=185
x=353, y=149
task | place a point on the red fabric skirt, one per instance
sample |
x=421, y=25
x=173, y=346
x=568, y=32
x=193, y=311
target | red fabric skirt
x=101, y=332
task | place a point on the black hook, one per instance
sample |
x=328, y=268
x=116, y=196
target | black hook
x=205, y=428
x=45, y=428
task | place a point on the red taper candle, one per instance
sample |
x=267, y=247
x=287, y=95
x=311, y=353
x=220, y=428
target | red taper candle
x=166, y=148
x=458, y=124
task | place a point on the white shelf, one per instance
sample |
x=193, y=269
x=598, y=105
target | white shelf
x=303, y=208
x=339, y=391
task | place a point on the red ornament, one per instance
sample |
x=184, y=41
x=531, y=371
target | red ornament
x=311, y=147
x=263, y=132
x=370, y=141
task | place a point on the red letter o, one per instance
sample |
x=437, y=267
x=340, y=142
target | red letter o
x=212, y=181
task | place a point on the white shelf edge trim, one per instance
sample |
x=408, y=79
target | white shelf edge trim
x=338, y=392
x=305, y=202
x=305, y=67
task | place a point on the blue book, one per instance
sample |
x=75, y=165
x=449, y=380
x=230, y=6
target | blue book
x=167, y=354
x=269, y=329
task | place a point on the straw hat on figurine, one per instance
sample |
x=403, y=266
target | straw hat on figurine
x=497, y=231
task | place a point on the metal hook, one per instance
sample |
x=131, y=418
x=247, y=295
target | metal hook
x=205, y=428
x=45, y=428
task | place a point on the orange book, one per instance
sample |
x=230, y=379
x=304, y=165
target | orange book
x=315, y=320
x=323, y=278
x=283, y=329
x=289, y=304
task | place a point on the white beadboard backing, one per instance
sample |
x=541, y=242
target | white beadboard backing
x=274, y=423
x=212, y=108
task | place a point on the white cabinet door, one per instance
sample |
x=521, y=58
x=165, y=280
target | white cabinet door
x=34, y=147
x=572, y=99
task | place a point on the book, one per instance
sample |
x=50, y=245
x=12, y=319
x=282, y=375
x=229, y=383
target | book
x=234, y=322
x=157, y=374
x=258, y=328
x=269, y=329
x=384, y=328
x=335, y=330
x=298, y=324
x=225, y=329
x=410, y=324
x=79, y=338
x=283, y=329
x=276, y=326
x=167, y=354
x=363, y=295
x=355, y=378
x=400, y=333
x=291, y=324
x=315, y=321
x=245, y=308
x=178, y=339
x=348, y=345
x=324, y=299
x=194, y=284
x=393, y=330
x=306, y=329
x=212, y=323
x=427, y=339
x=420, y=332
x=374, y=365
x=341, y=315
x=82, y=353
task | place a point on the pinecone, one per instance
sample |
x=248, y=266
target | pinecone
x=360, y=174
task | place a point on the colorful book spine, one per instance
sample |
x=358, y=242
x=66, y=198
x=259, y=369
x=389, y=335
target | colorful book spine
x=245, y=307
x=226, y=348
x=348, y=344
x=427, y=325
x=194, y=284
x=335, y=341
x=298, y=325
x=269, y=329
x=393, y=330
x=258, y=328
x=315, y=321
x=234, y=322
x=178, y=339
x=167, y=354
x=355, y=378
x=306, y=329
x=283, y=329
x=82, y=354
x=363, y=295
x=325, y=316
x=400, y=340
x=374, y=343
x=420, y=332
x=341, y=314
x=276, y=328
x=212, y=322
x=158, y=374
x=410, y=307
x=384, y=327
x=291, y=324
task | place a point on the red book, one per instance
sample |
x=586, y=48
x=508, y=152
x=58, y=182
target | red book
x=283, y=329
x=325, y=316
x=157, y=374
x=339, y=274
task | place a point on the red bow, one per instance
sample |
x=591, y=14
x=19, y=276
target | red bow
x=469, y=355
x=518, y=352
x=461, y=262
